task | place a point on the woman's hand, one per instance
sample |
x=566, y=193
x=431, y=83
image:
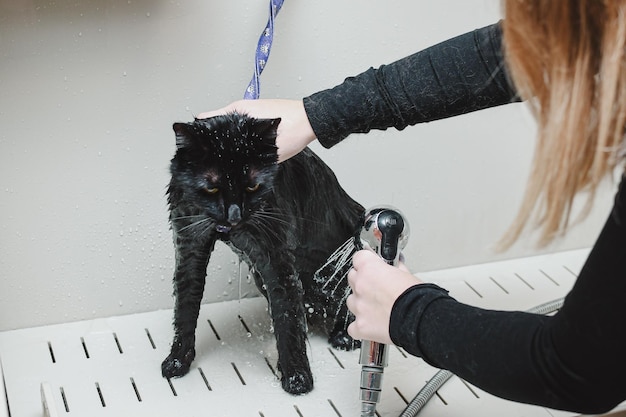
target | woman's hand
x=294, y=130
x=375, y=288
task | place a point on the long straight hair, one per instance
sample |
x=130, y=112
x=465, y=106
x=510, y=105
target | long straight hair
x=567, y=58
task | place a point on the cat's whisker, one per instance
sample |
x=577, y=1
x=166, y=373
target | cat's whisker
x=305, y=219
x=198, y=223
x=271, y=218
x=191, y=225
x=262, y=225
x=265, y=214
x=206, y=229
x=266, y=219
x=191, y=216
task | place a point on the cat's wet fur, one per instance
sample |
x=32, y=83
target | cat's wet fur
x=283, y=220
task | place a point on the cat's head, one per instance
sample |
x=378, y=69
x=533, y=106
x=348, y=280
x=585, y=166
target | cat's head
x=224, y=167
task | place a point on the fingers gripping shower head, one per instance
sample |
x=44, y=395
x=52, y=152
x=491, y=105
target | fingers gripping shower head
x=386, y=232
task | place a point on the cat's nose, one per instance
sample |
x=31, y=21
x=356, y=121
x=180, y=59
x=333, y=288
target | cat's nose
x=234, y=214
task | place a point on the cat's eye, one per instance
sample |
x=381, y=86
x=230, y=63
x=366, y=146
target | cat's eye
x=253, y=188
x=211, y=190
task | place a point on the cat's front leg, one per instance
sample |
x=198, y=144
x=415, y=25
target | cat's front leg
x=284, y=293
x=189, y=280
x=338, y=336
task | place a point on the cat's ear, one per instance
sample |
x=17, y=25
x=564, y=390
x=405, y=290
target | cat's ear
x=267, y=128
x=183, y=135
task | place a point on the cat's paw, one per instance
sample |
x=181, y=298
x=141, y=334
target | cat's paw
x=343, y=341
x=176, y=364
x=298, y=383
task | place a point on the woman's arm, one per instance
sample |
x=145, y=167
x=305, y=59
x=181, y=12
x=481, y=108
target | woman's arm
x=573, y=360
x=457, y=76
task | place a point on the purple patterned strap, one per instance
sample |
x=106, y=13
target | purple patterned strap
x=263, y=51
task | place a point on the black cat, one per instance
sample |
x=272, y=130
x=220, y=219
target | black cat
x=284, y=220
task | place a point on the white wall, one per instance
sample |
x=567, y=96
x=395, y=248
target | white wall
x=89, y=90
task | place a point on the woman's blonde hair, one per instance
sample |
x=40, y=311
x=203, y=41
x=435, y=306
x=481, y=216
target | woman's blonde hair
x=568, y=59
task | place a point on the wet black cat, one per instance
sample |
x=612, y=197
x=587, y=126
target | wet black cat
x=283, y=220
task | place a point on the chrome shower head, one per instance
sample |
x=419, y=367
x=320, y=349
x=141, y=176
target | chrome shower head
x=386, y=231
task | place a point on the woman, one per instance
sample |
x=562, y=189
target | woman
x=567, y=58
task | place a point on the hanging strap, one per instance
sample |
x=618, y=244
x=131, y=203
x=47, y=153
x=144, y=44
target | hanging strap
x=263, y=51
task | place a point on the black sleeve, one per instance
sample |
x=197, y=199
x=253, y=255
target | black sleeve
x=457, y=76
x=574, y=360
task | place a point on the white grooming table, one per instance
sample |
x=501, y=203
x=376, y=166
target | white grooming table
x=111, y=366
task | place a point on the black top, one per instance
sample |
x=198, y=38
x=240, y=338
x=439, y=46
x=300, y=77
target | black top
x=574, y=360
x=457, y=76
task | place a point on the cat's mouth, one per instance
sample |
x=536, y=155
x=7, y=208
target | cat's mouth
x=220, y=228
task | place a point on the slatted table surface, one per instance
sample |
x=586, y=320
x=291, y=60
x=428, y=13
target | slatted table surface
x=111, y=366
